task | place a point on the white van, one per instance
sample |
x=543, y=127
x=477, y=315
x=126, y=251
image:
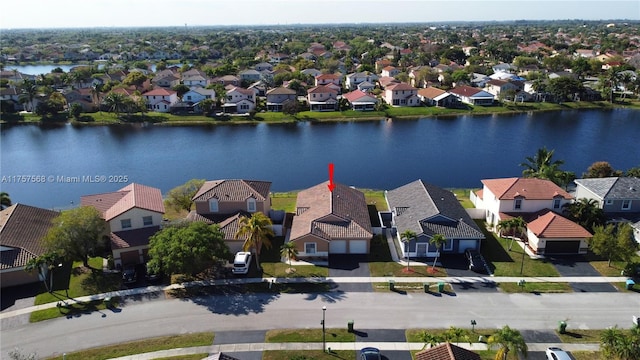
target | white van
x=241, y=263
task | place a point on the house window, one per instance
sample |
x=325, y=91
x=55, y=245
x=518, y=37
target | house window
x=626, y=204
x=448, y=245
x=251, y=205
x=213, y=205
x=609, y=202
x=125, y=223
x=517, y=204
x=556, y=203
x=310, y=248
x=147, y=220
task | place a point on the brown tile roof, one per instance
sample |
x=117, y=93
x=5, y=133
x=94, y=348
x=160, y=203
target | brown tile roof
x=464, y=90
x=446, y=351
x=528, y=188
x=129, y=197
x=229, y=225
x=430, y=92
x=554, y=226
x=21, y=228
x=281, y=91
x=341, y=213
x=159, y=92
x=321, y=89
x=327, y=76
x=400, y=86
x=387, y=80
x=233, y=190
x=132, y=238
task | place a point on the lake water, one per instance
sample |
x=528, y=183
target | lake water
x=40, y=69
x=449, y=152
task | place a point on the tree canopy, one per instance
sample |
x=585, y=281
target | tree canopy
x=180, y=197
x=77, y=234
x=256, y=230
x=613, y=242
x=508, y=340
x=187, y=248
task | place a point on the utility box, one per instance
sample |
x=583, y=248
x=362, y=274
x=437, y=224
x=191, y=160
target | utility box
x=392, y=285
x=350, y=326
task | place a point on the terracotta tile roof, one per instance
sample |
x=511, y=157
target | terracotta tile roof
x=554, y=226
x=387, y=80
x=341, y=213
x=229, y=225
x=21, y=228
x=132, y=238
x=159, y=92
x=327, y=77
x=233, y=190
x=431, y=92
x=446, y=351
x=281, y=91
x=129, y=197
x=464, y=91
x=528, y=188
x=355, y=95
x=497, y=82
x=480, y=194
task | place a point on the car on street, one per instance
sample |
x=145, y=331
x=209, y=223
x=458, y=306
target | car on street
x=555, y=353
x=475, y=259
x=129, y=274
x=370, y=353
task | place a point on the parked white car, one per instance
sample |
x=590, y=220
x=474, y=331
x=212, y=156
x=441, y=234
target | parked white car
x=555, y=353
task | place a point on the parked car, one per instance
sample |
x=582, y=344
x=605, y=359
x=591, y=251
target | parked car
x=241, y=263
x=476, y=261
x=370, y=353
x=555, y=353
x=129, y=274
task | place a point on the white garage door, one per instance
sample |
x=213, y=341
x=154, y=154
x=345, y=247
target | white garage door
x=358, y=246
x=338, y=247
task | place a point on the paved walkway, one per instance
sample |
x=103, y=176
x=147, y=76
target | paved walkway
x=319, y=280
x=334, y=346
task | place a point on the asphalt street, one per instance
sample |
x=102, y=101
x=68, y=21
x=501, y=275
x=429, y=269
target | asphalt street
x=140, y=318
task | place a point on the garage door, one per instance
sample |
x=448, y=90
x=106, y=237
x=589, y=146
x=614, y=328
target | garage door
x=129, y=257
x=466, y=244
x=338, y=247
x=358, y=247
x=562, y=247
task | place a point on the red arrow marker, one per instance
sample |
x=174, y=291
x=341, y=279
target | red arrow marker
x=331, y=185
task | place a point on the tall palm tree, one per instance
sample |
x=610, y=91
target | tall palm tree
x=542, y=165
x=257, y=230
x=115, y=102
x=438, y=240
x=509, y=340
x=5, y=200
x=430, y=339
x=406, y=237
x=29, y=92
x=288, y=250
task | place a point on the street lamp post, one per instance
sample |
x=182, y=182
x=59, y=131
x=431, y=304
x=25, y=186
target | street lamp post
x=324, y=339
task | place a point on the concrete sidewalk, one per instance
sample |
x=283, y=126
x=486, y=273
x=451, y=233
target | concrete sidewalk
x=337, y=280
x=334, y=346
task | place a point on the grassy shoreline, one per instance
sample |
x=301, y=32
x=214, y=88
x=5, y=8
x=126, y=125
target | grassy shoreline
x=403, y=113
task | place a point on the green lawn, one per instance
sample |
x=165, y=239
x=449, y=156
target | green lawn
x=536, y=287
x=463, y=197
x=143, y=346
x=508, y=263
x=287, y=200
x=309, y=335
x=308, y=355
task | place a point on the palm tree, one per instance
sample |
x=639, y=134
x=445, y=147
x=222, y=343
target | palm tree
x=615, y=344
x=5, y=200
x=541, y=165
x=289, y=251
x=430, y=339
x=586, y=212
x=115, y=102
x=256, y=229
x=406, y=237
x=509, y=340
x=437, y=240
x=29, y=92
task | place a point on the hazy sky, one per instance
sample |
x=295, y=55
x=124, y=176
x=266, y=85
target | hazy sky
x=119, y=13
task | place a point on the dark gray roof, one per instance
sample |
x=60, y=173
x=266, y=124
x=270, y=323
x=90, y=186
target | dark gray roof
x=428, y=209
x=613, y=188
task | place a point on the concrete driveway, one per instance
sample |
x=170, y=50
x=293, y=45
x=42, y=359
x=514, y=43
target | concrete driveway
x=350, y=266
x=457, y=266
x=577, y=265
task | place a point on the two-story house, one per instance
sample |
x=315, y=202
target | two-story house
x=390, y=71
x=133, y=214
x=160, y=99
x=322, y=98
x=331, y=222
x=250, y=76
x=223, y=202
x=539, y=203
x=195, y=95
x=277, y=97
x=401, y=94
x=354, y=79
x=239, y=100
x=333, y=81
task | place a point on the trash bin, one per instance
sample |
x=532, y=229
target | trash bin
x=392, y=285
x=107, y=302
x=350, y=326
x=426, y=287
x=440, y=287
x=630, y=284
x=562, y=327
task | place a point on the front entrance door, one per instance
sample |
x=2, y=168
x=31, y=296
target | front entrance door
x=421, y=249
